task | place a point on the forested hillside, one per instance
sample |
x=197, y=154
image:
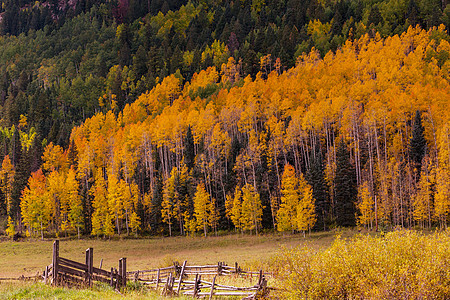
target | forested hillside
x=106, y=102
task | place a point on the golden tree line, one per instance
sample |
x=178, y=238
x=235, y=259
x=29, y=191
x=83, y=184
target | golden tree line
x=223, y=147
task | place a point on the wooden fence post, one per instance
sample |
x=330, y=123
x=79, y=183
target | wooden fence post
x=46, y=275
x=181, y=277
x=196, y=286
x=112, y=277
x=120, y=272
x=116, y=274
x=219, y=268
x=55, y=261
x=89, y=265
x=260, y=277
x=212, y=288
x=157, y=279
x=124, y=271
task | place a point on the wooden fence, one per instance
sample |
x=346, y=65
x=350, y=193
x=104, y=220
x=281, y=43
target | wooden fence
x=174, y=280
x=170, y=281
x=64, y=271
x=221, y=269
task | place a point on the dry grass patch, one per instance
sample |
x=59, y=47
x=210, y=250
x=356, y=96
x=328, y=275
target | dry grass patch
x=30, y=256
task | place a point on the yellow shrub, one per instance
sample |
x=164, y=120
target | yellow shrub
x=399, y=265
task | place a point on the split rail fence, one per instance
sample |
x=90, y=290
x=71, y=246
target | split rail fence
x=63, y=271
x=174, y=280
x=170, y=281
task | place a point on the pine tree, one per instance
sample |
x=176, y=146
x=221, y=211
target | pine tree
x=316, y=178
x=345, y=187
x=417, y=145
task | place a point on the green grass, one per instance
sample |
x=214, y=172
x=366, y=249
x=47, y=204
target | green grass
x=31, y=290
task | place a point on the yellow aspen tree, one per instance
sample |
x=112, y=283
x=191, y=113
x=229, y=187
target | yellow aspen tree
x=10, y=229
x=213, y=217
x=251, y=213
x=74, y=200
x=100, y=215
x=115, y=200
x=287, y=212
x=135, y=223
x=236, y=210
x=109, y=227
x=168, y=212
x=54, y=158
x=132, y=192
x=35, y=212
x=58, y=204
x=442, y=197
x=127, y=202
x=423, y=206
x=202, y=208
x=190, y=224
x=228, y=207
x=306, y=209
x=7, y=177
x=365, y=206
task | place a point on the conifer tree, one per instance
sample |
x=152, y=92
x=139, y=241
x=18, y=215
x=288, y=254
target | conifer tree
x=417, y=145
x=316, y=178
x=345, y=187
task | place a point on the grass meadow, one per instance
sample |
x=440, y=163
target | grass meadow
x=330, y=265
x=31, y=256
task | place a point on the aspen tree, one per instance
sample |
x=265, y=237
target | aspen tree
x=34, y=204
x=252, y=209
x=6, y=178
x=306, y=210
x=202, y=208
x=168, y=212
x=100, y=217
x=365, y=206
x=287, y=213
x=74, y=200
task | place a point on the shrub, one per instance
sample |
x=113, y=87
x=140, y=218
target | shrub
x=399, y=265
